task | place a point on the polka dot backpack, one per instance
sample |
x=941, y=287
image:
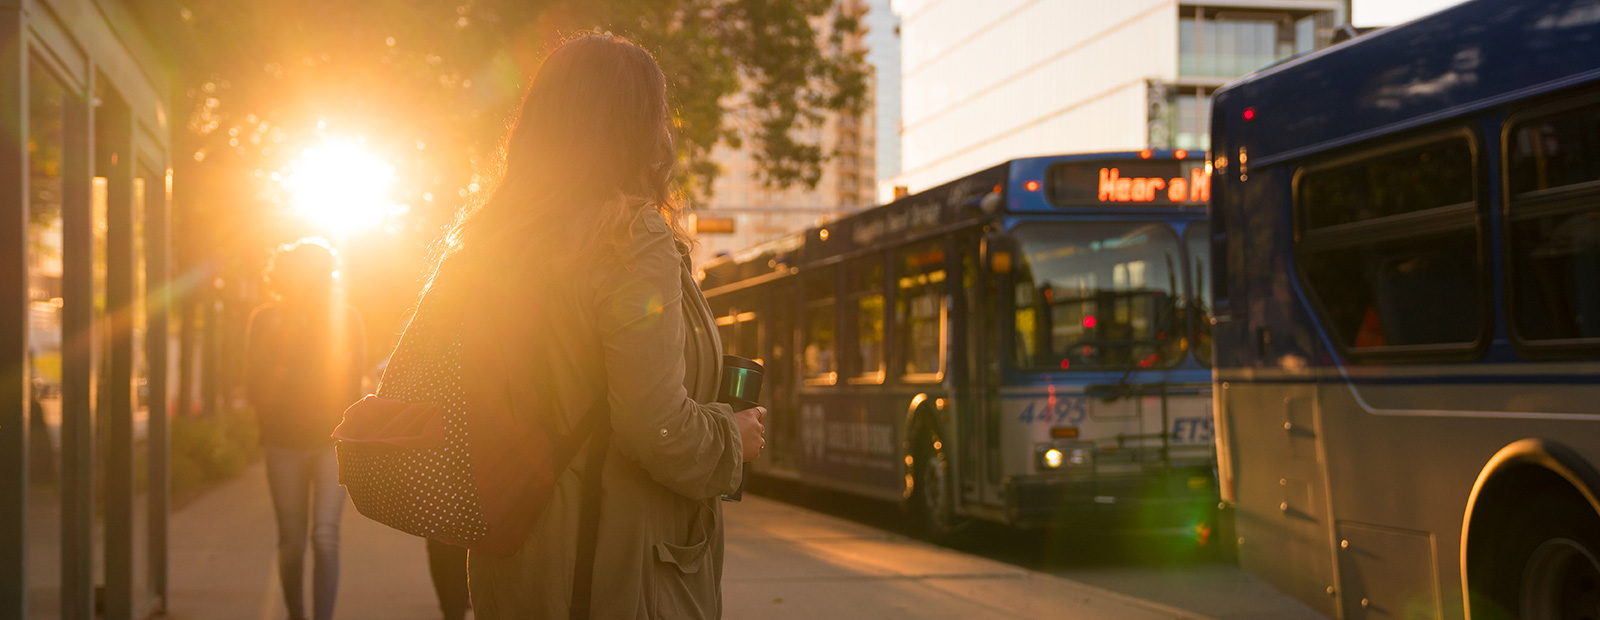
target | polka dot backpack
x=422, y=456
x=414, y=474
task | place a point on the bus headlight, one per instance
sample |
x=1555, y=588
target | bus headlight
x=1053, y=458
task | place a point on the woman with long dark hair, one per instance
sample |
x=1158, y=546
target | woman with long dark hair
x=577, y=265
x=306, y=354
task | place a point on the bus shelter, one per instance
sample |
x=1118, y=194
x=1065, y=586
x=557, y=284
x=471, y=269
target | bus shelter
x=85, y=134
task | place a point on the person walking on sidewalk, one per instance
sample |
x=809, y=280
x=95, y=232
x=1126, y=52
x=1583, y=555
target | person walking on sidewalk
x=447, y=566
x=577, y=263
x=305, y=360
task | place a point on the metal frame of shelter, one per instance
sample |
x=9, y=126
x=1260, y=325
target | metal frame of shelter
x=114, y=132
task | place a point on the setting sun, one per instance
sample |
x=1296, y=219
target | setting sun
x=340, y=186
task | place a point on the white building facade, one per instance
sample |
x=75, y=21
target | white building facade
x=985, y=81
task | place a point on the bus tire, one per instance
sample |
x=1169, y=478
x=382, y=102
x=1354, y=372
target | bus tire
x=1539, y=558
x=932, y=504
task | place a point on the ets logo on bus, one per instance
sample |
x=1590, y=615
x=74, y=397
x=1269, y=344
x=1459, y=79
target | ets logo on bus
x=1117, y=188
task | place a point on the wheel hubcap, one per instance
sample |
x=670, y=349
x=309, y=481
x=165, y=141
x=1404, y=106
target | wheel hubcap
x=1561, y=582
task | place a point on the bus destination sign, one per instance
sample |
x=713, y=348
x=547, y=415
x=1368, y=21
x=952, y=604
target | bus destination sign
x=1081, y=184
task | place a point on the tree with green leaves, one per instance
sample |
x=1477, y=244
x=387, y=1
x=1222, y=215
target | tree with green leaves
x=430, y=84
x=429, y=87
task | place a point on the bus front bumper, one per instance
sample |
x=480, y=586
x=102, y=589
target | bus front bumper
x=1156, y=500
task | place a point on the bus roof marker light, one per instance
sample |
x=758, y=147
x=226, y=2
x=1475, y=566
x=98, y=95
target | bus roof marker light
x=1249, y=114
x=1145, y=154
x=1032, y=186
x=1180, y=153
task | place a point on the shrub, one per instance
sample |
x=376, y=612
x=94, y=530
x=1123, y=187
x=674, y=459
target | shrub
x=212, y=449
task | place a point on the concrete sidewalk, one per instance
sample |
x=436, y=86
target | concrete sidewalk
x=224, y=562
x=788, y=562
x=782, y=562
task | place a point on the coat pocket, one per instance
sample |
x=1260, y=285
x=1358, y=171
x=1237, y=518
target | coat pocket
x=685, y=579
x=687, y=559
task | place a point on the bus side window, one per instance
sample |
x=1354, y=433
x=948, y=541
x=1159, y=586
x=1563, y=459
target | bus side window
x=722, y=309
x=1390, y=247
x=1554, y=223
x=864, y=317
x=737, y=323
x=749, y=332
x=818, y=358
x=920, y=311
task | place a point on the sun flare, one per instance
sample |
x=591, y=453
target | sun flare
x=340, y=186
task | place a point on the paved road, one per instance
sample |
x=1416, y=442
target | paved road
x=1162, y=569
x=783, y=562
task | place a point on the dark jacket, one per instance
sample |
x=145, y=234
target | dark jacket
x=302, y=372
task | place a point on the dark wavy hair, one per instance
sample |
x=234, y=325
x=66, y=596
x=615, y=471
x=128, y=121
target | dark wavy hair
x=589, y=151
x=302, y=271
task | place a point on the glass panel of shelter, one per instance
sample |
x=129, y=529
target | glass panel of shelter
x=46, y=146
x=146, y=190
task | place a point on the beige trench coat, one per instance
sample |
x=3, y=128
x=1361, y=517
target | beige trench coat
x=642, y=337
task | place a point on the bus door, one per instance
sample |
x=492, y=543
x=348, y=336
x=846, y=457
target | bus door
x=783, y=417
x=985, y=266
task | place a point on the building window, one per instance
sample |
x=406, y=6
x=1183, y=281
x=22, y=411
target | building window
x=1228, y=43
x=1390, y=248
x=1192, y=119
x=1554, y=222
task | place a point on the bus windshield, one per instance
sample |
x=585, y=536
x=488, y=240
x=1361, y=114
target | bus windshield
x=1098, y=296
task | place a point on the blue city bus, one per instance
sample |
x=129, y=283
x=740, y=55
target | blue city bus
x=1029, y=345
x=1407, y=235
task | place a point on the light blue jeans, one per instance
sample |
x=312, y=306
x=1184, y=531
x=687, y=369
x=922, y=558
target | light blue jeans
x=305, y=490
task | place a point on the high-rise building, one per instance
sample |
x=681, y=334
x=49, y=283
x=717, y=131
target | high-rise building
x=744, y=211
x=984, y=81
x=883, y=53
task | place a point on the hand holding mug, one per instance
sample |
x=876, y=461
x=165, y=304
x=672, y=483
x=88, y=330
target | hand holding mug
x=751, y=431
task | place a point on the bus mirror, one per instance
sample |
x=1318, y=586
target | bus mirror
x=991, y=202
x=1000, y=262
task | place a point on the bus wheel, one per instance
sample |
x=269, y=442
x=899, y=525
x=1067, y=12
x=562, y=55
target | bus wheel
x=932, y=505
x=1543, y=567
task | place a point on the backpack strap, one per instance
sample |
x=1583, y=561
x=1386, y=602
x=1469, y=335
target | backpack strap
x=589, y=514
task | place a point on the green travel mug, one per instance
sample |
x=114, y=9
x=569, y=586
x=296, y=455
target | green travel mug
x=741, y=388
